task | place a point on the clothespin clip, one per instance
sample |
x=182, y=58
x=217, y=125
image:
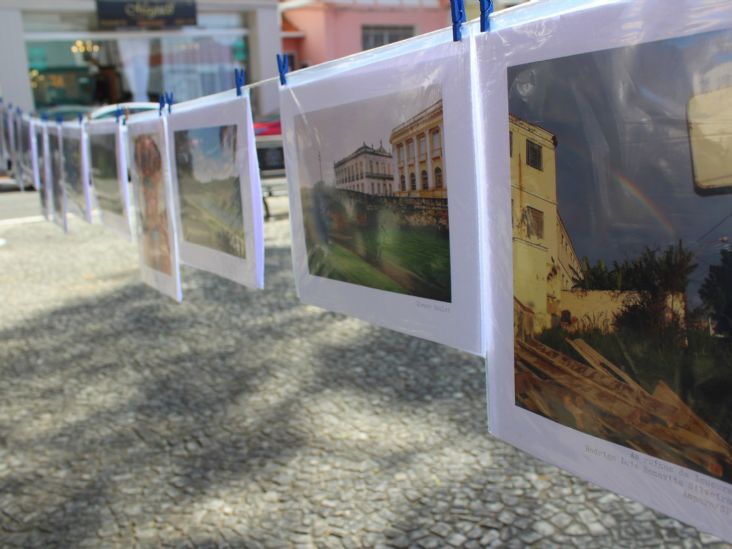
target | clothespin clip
x=80, y=118
x=239, y=80
x=283, y=66
x=117, y=114
x=457, y=12
x=127, y=116
x=18, y=111
x=486, y=8
x=161, y=104
x=44, y=117
x=169, y=101
x=59, y=119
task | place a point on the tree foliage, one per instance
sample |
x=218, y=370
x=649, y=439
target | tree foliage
x=658, y=272
x=716, y=292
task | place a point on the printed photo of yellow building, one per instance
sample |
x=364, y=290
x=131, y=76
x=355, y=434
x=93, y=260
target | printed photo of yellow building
x=622, y=268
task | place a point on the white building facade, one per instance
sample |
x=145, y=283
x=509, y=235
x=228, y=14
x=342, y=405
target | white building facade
x=367, y=170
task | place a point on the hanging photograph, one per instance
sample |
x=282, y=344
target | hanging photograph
x=377, y=172
x=621, y=220
x=108, y=174
x=26, y=163
x=4, y=137
x=217, y=188
x=75, y=170
x=38, y=165
x=53, y=161
x=154, y=204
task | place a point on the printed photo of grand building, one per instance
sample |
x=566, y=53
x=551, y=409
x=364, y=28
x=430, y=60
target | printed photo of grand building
x=379, y=218
x=413, y=167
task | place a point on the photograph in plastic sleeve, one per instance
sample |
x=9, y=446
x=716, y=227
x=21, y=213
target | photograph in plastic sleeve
x=39, y=167
x=26, y=164
x=75, y=174
x=618, y=362
x=58, y=194
x=379, y=170
x=216, y=183
x=108, y=175
x=3, y=135
x=153, y=201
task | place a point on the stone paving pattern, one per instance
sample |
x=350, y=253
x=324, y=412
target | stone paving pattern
x=246, y=419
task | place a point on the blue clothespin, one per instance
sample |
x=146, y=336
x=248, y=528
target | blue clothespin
x=486, y=8
x=10, y=106
x=117, y=114
x=80, y=118
x=240, y=80
x=59, y=119
x=18, y=111
x=169, y=101
x=283, y=66
x=457, y=11
x=161, y=104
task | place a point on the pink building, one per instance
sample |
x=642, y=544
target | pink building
x=320, y=30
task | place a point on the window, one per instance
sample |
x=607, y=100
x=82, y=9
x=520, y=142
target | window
x=436, y=142
x=438, y=177
x=534, y=222
x=510, y=144
x=533, y=155
x=373, y=36
x=422, y=146
x=402, y=183
x=412, y=182
x=425, y=181
x=410, y=149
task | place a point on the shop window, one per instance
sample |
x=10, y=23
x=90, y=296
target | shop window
x=438, y=177
x=373, y=36
x=534, y=222
x=533, y=155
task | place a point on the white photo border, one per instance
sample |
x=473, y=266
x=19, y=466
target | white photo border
x=225, y=111
x=444, y=63
x=153, y=124
x=77, y=131
x=119, y=223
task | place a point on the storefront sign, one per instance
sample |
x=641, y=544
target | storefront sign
x=145, y=13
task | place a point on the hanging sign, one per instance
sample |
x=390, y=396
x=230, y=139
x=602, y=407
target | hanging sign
x=115, y=14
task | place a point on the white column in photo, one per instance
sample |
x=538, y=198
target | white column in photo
x=394, y=168
x=441, y=145
x=430, y=174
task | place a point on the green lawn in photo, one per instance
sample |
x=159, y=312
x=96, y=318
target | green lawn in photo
x=387, y=243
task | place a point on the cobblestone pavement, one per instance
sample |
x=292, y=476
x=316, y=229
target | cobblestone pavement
x=244, y=418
